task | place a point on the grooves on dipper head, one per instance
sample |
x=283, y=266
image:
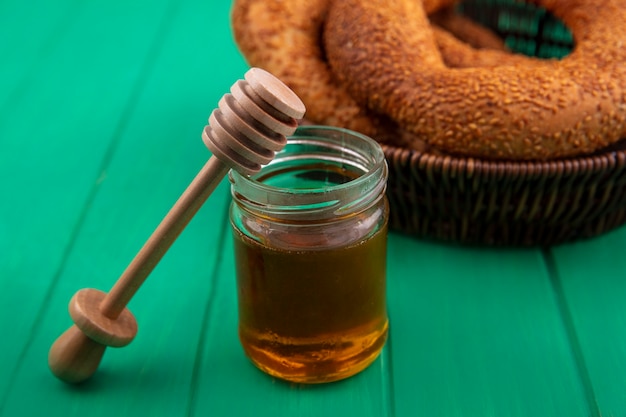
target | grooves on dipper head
x=252, y=122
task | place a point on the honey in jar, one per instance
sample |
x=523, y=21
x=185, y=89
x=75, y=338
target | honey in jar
x=310, y=235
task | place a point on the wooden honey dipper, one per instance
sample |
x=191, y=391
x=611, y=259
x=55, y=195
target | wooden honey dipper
x=246, y=130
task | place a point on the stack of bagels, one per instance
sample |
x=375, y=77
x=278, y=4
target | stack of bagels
x=414, y=74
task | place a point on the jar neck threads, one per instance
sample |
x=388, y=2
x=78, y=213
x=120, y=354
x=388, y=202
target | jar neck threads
x=323, y=174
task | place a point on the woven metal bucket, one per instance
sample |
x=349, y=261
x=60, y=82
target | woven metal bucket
x=473, y=201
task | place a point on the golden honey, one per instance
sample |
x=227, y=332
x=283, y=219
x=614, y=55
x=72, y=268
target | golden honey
x=310, y=235
x=312, y=315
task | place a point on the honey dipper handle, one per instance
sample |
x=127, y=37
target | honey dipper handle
x=163, y=236
x=74, y=356
x=246, y=130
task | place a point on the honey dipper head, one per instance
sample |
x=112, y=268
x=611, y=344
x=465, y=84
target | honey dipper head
x=252, y=122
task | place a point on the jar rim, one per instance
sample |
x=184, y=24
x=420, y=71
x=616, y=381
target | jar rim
x=339, y=145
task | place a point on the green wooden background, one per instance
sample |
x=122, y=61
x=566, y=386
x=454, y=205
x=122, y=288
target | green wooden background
x=102, y=104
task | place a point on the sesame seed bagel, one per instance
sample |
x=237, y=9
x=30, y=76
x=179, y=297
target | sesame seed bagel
x=284, y=38
x=386, y=55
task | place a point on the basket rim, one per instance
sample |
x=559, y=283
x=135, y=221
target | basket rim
x=599, y=162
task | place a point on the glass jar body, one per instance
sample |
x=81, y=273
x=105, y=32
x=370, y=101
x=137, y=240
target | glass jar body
x=310, y=251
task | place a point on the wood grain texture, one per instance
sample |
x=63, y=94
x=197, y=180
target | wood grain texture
x=590, y=280
x=477, y=332
x=127, y=97
x=55, y=141
x=102, y=106
x=30, y=39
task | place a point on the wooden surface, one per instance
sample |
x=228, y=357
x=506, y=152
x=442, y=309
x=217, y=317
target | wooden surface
x=102, y=104
x=103, y=319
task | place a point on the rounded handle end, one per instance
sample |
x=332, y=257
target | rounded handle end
x=74, y=357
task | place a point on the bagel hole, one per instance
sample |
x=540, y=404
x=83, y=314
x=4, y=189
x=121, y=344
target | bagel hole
x=523, y=27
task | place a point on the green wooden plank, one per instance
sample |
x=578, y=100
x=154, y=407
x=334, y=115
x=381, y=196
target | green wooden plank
x=229, y=385
x=590, y=276
x=152, y=375
x=53, y=144
x=29, y=35
x=158, y=153
x=477, y=332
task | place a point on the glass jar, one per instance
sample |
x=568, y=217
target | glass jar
x=310, y=234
